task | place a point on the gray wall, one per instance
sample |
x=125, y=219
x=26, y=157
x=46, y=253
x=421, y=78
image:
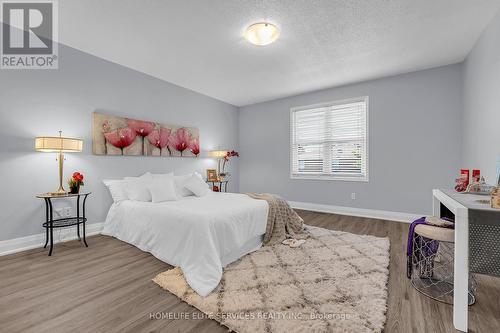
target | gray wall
x=414, y=137
x=481, y=119
x=41, y=102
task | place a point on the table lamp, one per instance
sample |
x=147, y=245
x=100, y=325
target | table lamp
x=218, y=154
x=61, y=145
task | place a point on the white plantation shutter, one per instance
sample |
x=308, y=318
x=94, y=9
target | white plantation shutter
x=329, y=141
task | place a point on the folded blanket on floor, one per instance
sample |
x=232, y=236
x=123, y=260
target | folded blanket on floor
x=282, y=221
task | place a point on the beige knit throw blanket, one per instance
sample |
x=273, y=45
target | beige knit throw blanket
x=282, y=221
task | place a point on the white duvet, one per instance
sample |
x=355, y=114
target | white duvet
x=195, y=234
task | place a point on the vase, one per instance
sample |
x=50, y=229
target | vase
x=74, y=189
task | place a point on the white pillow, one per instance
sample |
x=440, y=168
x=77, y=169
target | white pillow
x=180, y=182
x=136, y=188
x=145, y=177
x=163, y=180
x=196, y=185
x=160, y=175
x=116, y=188
x=163, y=191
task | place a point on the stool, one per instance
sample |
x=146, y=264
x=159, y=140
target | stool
x=431, y=270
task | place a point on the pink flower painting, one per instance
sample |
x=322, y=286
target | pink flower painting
x=160, y=138
x=142, y=128
x=124, y=136
x=181, y=139
x=121, y=138
x=194, y=146
x=106, y=127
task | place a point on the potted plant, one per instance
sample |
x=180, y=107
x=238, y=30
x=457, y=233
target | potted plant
x=224, y=175
x=75, y=182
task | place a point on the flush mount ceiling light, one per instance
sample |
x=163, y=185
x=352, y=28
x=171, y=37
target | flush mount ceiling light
x=262, y=33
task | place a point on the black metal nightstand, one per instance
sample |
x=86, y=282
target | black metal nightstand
x=51, y=224
x=222, y=185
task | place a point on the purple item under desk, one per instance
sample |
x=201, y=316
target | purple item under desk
x=429, y=250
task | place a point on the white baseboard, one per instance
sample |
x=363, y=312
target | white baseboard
x=360, y=212
x=34, y=241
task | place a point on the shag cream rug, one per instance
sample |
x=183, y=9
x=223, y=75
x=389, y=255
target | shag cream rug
x=335, y=282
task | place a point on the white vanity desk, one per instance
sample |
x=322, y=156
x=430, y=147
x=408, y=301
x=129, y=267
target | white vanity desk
x=461, y=205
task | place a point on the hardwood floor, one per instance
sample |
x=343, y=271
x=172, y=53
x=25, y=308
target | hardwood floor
x=107, y=288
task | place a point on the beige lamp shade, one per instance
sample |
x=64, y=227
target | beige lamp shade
x=58, y=144
x=217, y=153
x=61, y=145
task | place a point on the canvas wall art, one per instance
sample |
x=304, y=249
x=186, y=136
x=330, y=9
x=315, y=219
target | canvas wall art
x=124, y=136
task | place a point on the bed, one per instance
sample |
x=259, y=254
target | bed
x=201, y=235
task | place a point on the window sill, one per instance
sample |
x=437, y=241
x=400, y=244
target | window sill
x=330, y=178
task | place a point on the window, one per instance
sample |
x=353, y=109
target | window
x=329, y=141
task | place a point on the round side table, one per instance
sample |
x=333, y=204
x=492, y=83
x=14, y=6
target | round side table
x=222, y=184
x=51, y=223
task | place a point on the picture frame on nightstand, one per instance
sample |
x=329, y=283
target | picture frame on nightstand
x=212, y=175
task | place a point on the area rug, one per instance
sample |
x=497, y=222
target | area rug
x=335, y=282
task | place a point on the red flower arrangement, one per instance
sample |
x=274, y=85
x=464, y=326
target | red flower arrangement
x=228, y=156
x=75, y=182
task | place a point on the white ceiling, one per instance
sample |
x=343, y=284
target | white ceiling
x=198, y=44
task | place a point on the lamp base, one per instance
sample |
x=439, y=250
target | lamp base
x=60, y=191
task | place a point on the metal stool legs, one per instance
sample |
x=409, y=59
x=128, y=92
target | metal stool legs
x=430, y=268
